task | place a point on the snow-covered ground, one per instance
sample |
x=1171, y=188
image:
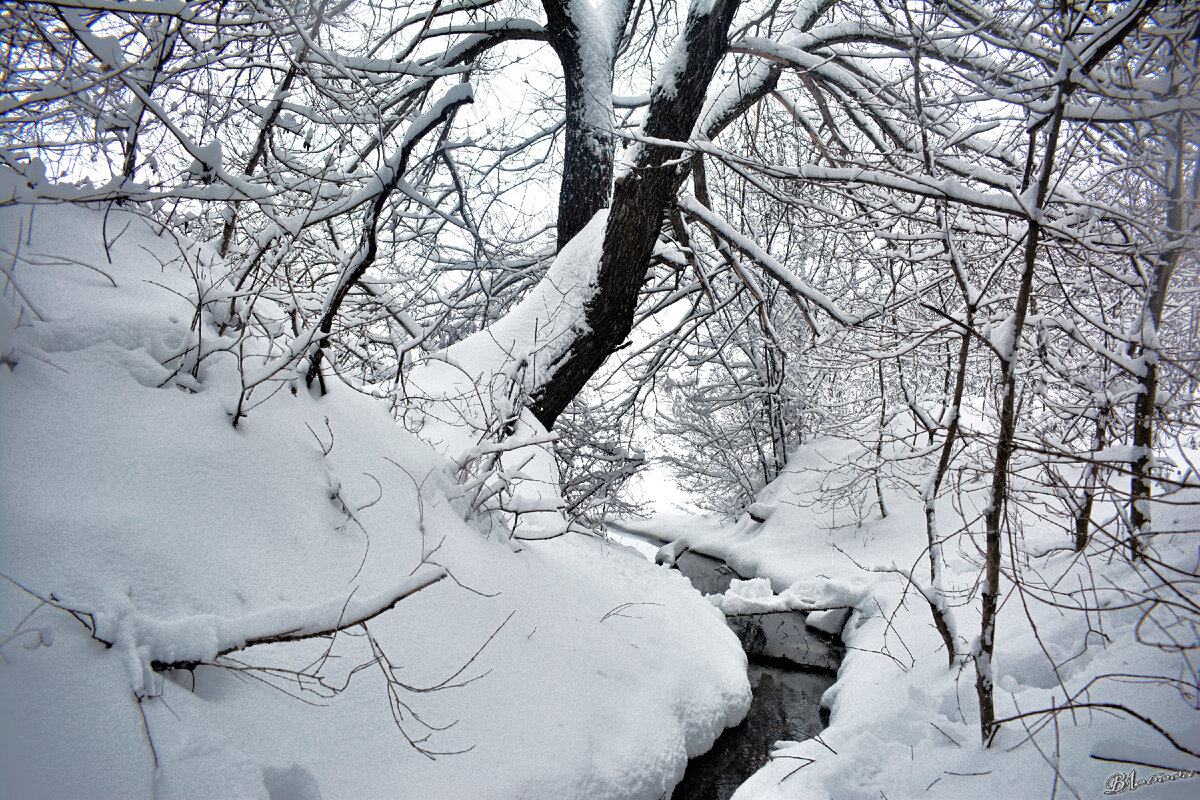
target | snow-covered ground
x=902, y=724
x=571, y=668
x=132, y=509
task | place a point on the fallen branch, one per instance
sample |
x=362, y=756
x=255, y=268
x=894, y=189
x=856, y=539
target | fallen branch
x=246, y=632
x=163, y=645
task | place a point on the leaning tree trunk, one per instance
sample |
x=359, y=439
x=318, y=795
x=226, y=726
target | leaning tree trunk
x=639, y=201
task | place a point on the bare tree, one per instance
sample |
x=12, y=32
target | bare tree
x=868, y=217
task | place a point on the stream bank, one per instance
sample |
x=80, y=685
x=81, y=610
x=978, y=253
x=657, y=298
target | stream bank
x=791, y=665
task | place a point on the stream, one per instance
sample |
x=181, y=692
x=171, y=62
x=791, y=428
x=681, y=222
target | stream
x=790, y=667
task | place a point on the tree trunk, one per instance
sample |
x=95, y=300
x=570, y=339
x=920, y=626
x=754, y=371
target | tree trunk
x=879, y=442
x=1006, y=444
x=590, y=139
x=1083, y=516
x=637, y=210
x=1162, y=267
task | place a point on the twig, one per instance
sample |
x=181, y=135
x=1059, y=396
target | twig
x=1134, y=763
x=943, y=733
x=805, y=759
x=619, y=610
x=146, y=728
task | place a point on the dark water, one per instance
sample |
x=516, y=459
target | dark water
x=709, y=575
x=779, y=638
x=786, y=707
x=791, y=666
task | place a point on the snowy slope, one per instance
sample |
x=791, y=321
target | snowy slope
x=905, y=726
x=570, y=669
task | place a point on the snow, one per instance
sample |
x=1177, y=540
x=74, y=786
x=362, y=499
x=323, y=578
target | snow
x=457, y=94
x=469, y=389
x=721, y=102
x=675, y=64
x=539, y=330
x=760, y=512
x=672, y=68
x=207, y=161
x=599, y=26
x=755, y=596
x=571, y=669
x=902, y=724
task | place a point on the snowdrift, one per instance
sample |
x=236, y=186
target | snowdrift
x=902, y=724
x=142, y=529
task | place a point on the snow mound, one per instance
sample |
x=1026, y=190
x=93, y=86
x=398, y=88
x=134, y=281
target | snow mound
x=468, y=399
x=755, y=596
x=571, y=669
x=903, y=723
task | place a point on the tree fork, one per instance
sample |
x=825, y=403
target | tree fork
x=639, y=203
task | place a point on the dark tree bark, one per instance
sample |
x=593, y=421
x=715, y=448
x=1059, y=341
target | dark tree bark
x=1007, y=441
x=637, y=211
x=590, y=143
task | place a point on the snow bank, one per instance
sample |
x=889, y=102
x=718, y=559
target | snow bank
x=755, y=596
x=463, y=397
x=902, y=724
x=572, y=669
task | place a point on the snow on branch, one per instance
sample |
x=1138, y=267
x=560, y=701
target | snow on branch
x=163, y=8
x=768, y=262
x=150, y=645
x=441, y=111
